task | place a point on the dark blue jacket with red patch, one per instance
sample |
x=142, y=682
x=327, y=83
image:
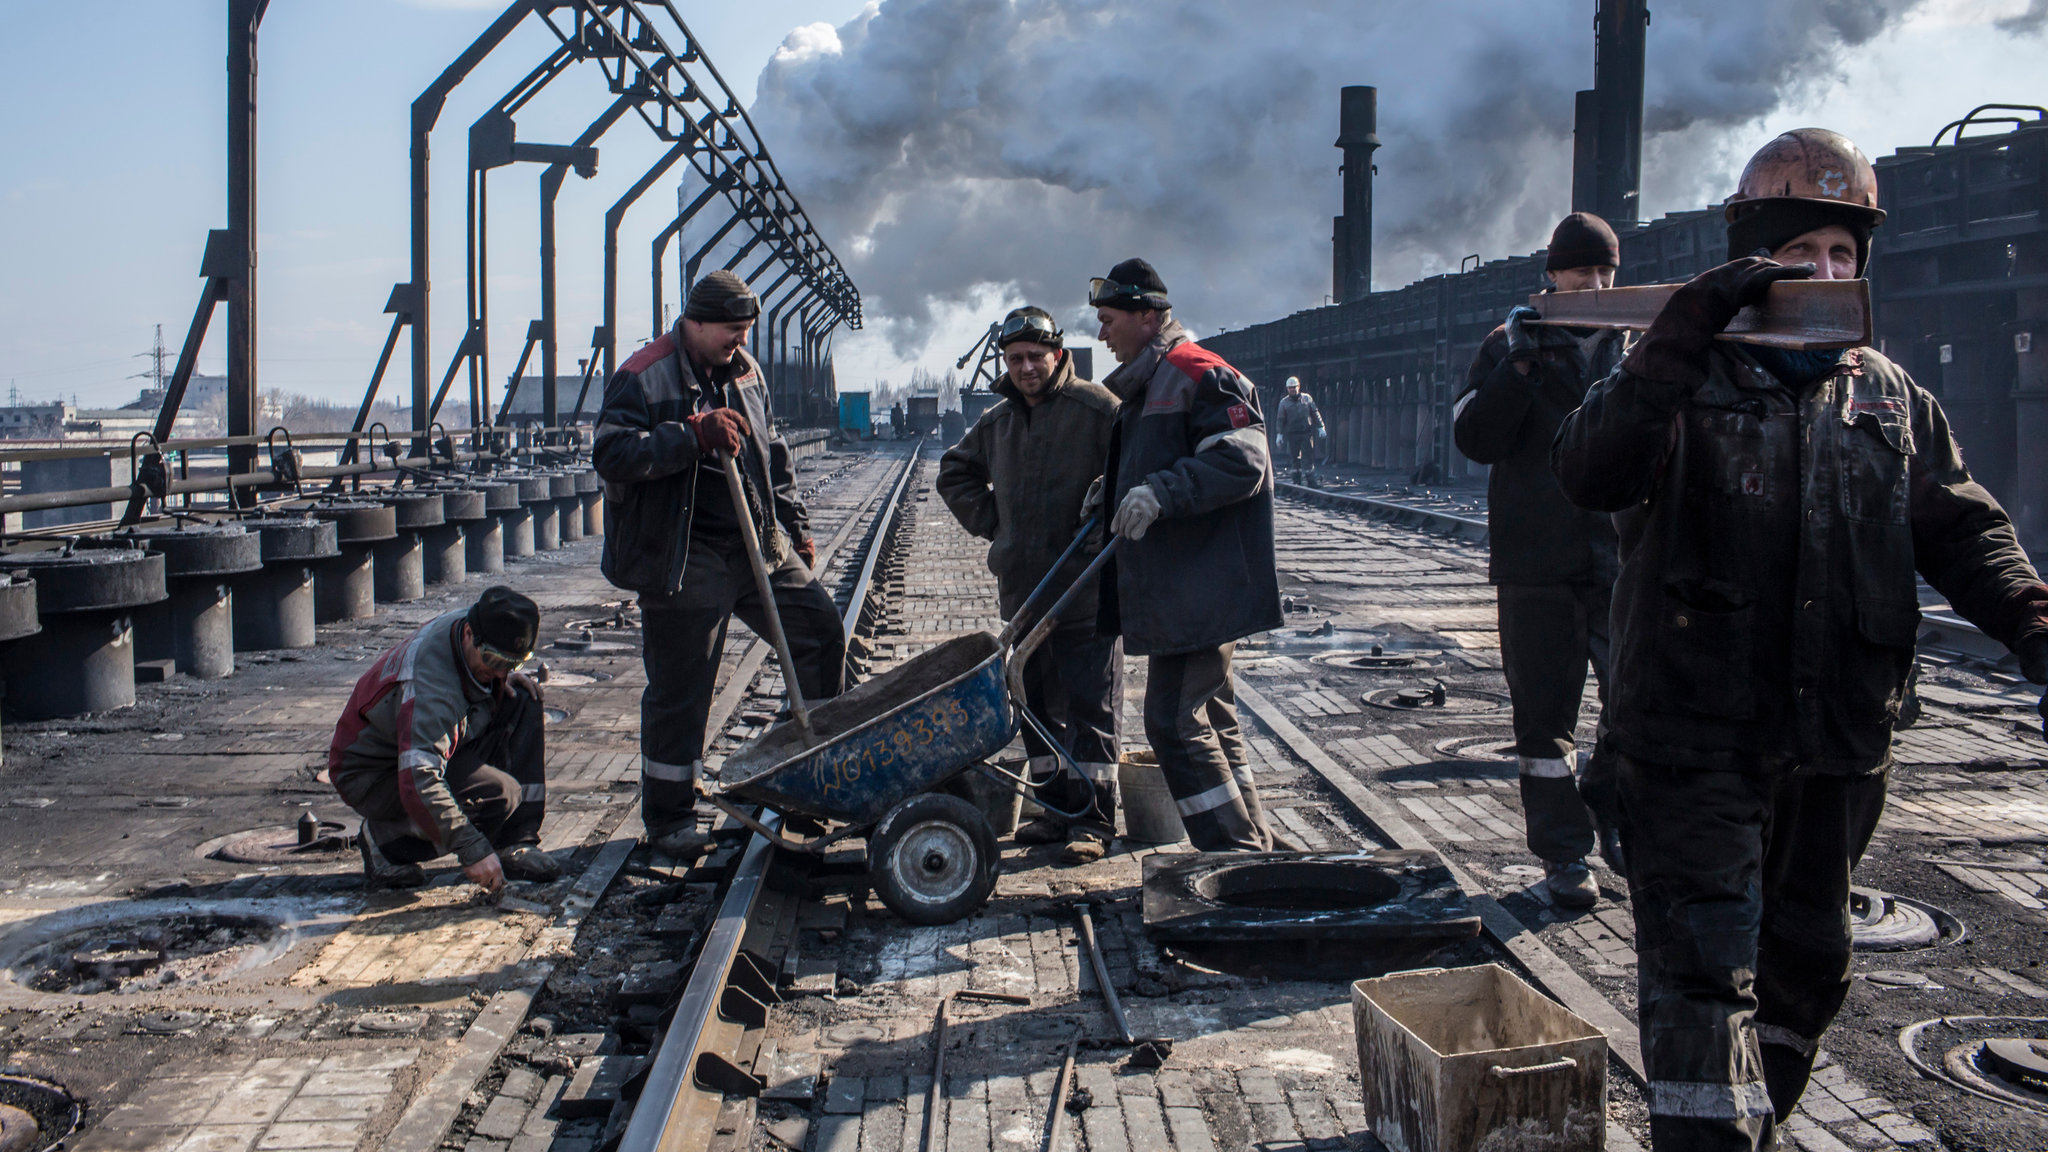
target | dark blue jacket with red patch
x=1203, y=576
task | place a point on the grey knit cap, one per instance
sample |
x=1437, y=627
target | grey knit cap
x=721, y=296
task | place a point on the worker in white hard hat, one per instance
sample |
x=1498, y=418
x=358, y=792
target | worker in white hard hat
x=1300, y=424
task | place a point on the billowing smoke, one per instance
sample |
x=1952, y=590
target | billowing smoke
x=948, y=146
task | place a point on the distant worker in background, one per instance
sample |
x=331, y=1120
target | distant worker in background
x=440, y=749
x=1553, y=563
x=1301, y=432
x=1017, y=479
x=672, y=415
x=1774, y=507
x=1190, y=486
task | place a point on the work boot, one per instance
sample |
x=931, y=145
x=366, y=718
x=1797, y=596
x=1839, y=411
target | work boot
x=1040, y=830
x=683, y=842
x=379, y=872
x=1085, y=845
x=1571, y=884
x=528, y=862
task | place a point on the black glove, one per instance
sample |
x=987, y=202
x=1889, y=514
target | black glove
x=1674, y=350
x=1521, y=341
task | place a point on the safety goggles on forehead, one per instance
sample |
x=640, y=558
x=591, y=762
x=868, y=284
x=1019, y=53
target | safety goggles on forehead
x=1102, y=290
x=734, y=308
x=1036, y=329
x=499, y=660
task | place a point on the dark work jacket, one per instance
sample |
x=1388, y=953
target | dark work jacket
x=1017, y=479
x=648, y=458
x=1766, y=612
x=1203, y=576
x=1535, y=535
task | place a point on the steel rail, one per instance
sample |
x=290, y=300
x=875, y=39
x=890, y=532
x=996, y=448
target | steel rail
x=1380, y=508
x=688, y=1080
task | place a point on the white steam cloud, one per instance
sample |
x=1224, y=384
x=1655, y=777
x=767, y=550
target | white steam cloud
x=947, y=146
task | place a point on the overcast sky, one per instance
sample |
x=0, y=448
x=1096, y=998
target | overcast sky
x=112, y=158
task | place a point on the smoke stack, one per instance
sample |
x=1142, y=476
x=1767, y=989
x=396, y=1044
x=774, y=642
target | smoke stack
x=1607, y=128
x=1358, y=136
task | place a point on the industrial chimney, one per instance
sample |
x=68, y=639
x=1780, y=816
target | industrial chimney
x=1607, y=122
x=1351, y=240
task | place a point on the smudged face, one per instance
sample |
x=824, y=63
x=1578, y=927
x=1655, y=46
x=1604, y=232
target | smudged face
x=1831, y=251
x=1030, y=366
x=714, y=342
x=1582, y=279
x=1126, y=333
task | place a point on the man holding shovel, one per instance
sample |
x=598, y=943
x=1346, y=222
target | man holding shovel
x=1190, y=483
x=1017, y=479
x=675, y=416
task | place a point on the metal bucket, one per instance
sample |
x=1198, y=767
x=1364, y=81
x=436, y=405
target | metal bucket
x=1150, y=816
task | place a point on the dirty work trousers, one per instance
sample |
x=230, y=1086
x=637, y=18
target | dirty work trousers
x=1740, y=885
x=1075, y=684
x=1191, y=722
x=682, y=637
x=1298, y=455
x=498, y=777
x=1548, y=634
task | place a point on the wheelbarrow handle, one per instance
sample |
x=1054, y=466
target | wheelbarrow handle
x=1014, y=674
x=1024, y=610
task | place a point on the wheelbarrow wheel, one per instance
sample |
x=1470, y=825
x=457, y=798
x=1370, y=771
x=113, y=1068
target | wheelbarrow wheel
x=933, y=859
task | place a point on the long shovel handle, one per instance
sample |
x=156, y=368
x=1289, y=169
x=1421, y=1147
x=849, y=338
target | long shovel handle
x=767, y=593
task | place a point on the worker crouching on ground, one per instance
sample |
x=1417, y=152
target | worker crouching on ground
x=440, y=750
x=1553, y=564
x=1301, y=432
x=672, y=535
x=1774, y=506
x=1191, y=485
x=1017, y=480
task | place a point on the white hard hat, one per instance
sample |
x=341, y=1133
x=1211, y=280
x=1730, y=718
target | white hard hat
x=1293, y=382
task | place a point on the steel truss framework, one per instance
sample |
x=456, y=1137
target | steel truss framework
x=655, y=69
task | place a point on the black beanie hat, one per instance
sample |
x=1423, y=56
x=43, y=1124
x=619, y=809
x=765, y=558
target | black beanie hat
x=505, y=620
x=1131, y=286
x=1582, y=240
x=1771, y=224
x=721, y=296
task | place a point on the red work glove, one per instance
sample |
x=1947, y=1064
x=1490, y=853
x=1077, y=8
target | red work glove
x=807, y=550
x=1674, y=350
x=720, y=430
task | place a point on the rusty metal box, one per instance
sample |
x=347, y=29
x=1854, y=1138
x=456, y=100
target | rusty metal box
x=1475, y=1060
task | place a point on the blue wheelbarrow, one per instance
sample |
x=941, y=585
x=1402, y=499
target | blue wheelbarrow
x=874, y=762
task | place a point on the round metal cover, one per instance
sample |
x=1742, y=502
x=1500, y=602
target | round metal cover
x=91, y=579
x=295, y=538
x=390, y=1023
x=574, y=679
x=416, y=509
x=202, y=549
x=1883, y=922
x=1488, y=749
x=279, y=844
x=1895, y=979
x=1380, y=658
x=171, y=1023
x=17, y=608
x=195, y=946
x=35, y=1114
x=847, y=1035
x=359, y=522
x=1437, y=700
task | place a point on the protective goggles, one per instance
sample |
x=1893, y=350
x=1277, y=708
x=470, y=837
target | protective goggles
x=1102, y=290
x=1036, y=329
x=746, y=307
x=499, y=660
